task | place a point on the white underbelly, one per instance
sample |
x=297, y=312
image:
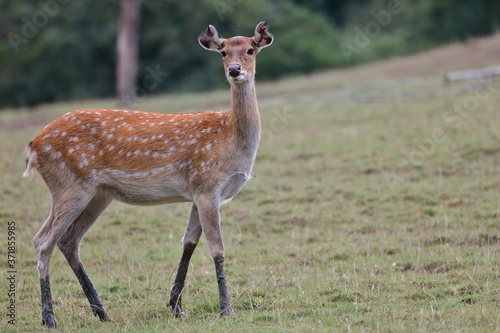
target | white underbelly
x=149, y=191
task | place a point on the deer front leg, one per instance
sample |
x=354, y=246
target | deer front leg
x=210, y=222
x=225, y=305
x=190, y=240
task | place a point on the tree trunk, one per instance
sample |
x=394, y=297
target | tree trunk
x=127, y=50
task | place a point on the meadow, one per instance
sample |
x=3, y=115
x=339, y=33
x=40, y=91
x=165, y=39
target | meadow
x=374, y=207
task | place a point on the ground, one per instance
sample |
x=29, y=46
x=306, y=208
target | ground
x=374, y=206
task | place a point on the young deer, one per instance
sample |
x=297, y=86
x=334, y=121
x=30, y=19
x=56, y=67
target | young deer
x=87, y=158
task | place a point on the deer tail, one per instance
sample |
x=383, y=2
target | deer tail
x=28, y=173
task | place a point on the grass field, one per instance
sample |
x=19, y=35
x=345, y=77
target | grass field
x=361, y=217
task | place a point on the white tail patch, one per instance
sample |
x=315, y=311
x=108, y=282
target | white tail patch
x=28, y=173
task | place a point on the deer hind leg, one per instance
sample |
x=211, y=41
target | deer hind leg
x=210, y=223
x=69, y=245
x=62, y=215
x=189, y=241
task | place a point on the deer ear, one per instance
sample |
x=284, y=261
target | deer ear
x=210, y=39
x=262, y=36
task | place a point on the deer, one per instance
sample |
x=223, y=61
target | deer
x=91, y=157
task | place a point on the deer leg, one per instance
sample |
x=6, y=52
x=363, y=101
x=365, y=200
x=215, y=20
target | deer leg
x=63, y=213
x=69, y=246
x=189, y=242
x=210, y=222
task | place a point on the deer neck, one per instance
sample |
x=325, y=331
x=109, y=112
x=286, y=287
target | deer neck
x=245, y=114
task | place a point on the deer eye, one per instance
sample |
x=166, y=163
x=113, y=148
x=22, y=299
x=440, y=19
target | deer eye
x=223, y=54
x=250, y=51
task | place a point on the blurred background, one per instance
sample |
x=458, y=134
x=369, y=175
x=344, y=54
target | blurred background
x=54, y=50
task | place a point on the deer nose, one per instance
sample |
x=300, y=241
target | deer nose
x=234, y=70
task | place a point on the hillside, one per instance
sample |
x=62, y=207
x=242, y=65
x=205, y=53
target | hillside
x=374, y=207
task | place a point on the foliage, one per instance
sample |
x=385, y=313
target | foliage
x=60, y=49
x=306, y=43
x=66, y=52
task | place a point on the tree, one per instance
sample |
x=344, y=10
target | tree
x=127, y=49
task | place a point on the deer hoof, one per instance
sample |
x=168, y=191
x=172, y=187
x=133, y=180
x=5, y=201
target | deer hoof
x=50, y=320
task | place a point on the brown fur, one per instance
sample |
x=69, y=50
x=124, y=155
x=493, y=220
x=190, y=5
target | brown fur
x=89, y=158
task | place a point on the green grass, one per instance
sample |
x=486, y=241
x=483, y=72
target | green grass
x=361, y=217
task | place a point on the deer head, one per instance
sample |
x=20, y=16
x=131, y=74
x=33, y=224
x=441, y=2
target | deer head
x=238, y=53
